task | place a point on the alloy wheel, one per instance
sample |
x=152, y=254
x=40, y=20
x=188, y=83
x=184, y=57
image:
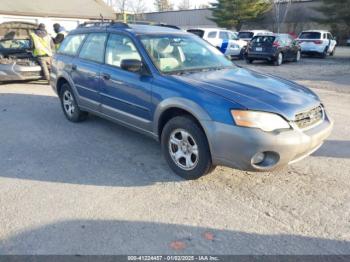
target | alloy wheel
x=68, y=103
x=183, y=149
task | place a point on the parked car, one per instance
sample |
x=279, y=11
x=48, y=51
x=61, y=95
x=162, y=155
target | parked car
x=348, y=42
x=226, y=41
x=16, y=58
x=318, y=42
x=183, y=92
x=248, y=35
x=275, y=48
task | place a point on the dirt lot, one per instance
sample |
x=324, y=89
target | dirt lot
x=98, y=188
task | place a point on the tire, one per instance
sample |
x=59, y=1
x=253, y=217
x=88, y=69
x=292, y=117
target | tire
x=249, y=61
x=185, y=148
x=70, y=106
x=297, y=56
x=279, y=60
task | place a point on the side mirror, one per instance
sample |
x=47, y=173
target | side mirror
x=131, y=65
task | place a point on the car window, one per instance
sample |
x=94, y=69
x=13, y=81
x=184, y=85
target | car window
x=212, y=34
x=93, y=48
x=330, y=36
x=245, y=35
x=223, y=35
x=198, y=32
x=310, y=35
x=119, y=48
x=183, y=53
x=71, y=44
x=263, y=39
x=234, y=36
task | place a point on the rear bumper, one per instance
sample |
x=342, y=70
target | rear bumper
x=262, y=56
x=14, y=72
x=236, y=146
x=312, y=49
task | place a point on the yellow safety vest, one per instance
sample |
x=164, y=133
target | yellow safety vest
x=42, y=46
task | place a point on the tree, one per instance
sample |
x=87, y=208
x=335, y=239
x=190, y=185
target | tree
x=233, y=13
x=138, y=7
x=335, y=12
x=163, y=5
x=184, y=5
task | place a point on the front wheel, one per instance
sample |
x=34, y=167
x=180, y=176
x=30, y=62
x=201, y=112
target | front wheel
x=279, y=60
x=185, y=148
x=297, y=56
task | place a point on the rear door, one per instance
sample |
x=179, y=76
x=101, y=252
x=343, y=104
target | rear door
x=125, y=95
x=86, y=70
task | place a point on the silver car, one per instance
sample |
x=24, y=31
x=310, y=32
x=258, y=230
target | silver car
x=16, y=58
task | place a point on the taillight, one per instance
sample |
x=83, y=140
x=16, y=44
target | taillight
x=276, y=44
x=318, y=42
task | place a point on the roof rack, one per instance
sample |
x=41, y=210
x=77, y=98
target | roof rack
x=105, y=23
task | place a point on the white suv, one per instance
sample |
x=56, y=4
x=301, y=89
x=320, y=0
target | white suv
x=317, y=42
x=226, y=41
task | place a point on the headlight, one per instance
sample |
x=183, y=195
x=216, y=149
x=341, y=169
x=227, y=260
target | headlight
x=265, y=121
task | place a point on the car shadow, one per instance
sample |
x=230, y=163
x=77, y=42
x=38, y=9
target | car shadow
x=38, y=143
x=334, y=148
x=108, y=237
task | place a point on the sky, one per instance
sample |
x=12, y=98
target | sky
x=150, y=3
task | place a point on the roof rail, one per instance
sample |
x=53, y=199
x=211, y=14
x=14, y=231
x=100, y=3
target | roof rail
x=105, y=23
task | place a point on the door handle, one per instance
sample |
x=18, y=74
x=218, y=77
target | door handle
x=106, y=76
x=74, y=67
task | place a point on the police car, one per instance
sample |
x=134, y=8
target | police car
x=226, y=41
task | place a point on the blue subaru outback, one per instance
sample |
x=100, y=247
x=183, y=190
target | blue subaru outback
x=180, y=90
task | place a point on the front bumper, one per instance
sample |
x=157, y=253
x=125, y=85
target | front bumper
x=14, y=72
x=235, y=146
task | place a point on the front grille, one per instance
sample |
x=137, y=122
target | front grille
x=309, y=118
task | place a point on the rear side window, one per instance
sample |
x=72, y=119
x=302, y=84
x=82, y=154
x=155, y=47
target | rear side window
x=93, y=48
x=71, y=44
x=197, y=32
x=212, y=34
x=310, y=35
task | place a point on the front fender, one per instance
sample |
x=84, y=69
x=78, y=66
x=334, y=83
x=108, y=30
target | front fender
x=181, y=103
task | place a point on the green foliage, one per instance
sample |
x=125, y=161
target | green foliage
x=233, y=13
x=335, y=11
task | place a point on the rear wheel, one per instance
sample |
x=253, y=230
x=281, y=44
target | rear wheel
x=185, y=147
x=297, y=56
x=70, y=106
x=279, y=60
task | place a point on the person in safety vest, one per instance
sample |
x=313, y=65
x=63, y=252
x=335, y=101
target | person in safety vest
x=61, y=33
x=43, y=49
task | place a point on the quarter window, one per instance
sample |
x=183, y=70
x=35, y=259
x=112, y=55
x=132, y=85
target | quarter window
x=119, y=48
x=93, y=48
x=71, y=44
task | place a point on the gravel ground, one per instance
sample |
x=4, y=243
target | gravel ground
x=98, y=188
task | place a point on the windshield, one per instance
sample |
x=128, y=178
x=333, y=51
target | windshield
x=183, y=53
x=310, y=35
x=245, y=35
x=15, y=44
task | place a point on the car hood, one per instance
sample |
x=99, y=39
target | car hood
x=255, y=91
x=16, y=30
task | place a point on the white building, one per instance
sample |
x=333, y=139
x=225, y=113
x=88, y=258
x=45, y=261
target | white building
x=68, y=13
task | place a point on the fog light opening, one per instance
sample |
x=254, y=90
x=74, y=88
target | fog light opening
x=258, y=158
